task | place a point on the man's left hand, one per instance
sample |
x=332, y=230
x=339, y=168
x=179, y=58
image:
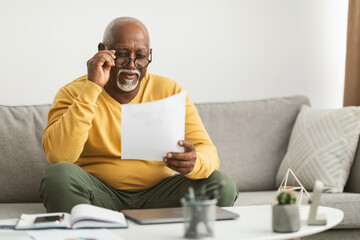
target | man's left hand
x=184, y=162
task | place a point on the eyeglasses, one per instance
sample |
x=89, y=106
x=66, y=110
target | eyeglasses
x=140, y=62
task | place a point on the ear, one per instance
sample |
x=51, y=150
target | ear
x=101, y=46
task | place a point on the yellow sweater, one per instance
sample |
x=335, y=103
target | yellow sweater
x=84, y=128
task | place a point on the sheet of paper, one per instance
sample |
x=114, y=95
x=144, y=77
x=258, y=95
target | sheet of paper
x=14, y=235
x=150, y=130
x=7, y=224
x=93, y=234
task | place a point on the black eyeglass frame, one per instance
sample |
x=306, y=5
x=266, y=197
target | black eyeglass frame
x=134, y=59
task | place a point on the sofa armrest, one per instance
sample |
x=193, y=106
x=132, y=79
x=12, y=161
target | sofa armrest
x=353, y=183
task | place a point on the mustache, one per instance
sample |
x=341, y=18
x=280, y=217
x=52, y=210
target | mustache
x=132, y=71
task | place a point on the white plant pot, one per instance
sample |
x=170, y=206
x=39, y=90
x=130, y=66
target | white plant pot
x=285, y=218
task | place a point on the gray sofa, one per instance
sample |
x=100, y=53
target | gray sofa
x=251, y=138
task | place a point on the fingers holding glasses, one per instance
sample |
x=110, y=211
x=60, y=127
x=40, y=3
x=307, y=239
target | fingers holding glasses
x=99, y=66
x=105, y=57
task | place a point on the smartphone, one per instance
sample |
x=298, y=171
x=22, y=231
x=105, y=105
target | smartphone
x=46, y=219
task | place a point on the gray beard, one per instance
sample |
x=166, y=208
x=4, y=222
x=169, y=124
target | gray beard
x=128, y=86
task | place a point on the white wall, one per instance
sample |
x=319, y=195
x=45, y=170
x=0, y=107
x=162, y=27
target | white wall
x=220, y=50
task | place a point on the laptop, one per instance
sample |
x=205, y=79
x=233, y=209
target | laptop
x=169, y=215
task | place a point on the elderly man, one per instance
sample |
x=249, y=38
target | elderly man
x=82, y=136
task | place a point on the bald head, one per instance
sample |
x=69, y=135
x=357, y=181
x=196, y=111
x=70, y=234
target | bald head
x=124, y=25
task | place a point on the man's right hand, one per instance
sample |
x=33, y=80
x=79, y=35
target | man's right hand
x=99, y=67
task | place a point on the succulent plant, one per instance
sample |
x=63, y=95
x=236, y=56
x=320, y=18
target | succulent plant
x=286, y=198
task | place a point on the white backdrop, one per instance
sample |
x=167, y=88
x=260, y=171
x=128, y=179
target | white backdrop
x=218, y=50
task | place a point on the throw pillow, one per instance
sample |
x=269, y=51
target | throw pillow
x=322, y=147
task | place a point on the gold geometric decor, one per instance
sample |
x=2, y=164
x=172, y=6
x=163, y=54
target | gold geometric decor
x=285, y=188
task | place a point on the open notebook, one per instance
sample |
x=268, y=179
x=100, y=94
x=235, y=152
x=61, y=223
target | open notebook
x=81, y=216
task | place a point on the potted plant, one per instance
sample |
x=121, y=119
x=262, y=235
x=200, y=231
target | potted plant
x=286, y=214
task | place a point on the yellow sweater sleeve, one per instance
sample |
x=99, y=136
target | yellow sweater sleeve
x=207, y=157
x=69, y=121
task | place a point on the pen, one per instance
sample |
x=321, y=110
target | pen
x=191, y=194
x=203, y=192
x=217, y=191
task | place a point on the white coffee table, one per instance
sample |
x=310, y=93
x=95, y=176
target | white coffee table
x=254, y=223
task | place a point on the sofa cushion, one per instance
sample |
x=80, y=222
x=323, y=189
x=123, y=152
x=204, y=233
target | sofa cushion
x=22, y=159
x=322, y=147
x=349, y=203
x=251, y=137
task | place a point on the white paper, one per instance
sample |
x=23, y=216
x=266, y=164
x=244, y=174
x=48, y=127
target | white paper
x=97, y=234
x=10, y=221
x=150, y=130
x=14, y=235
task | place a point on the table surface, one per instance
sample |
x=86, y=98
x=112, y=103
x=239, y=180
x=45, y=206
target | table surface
x=254, y=223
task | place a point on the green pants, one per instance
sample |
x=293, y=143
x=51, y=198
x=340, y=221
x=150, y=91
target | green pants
x=65, y=185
